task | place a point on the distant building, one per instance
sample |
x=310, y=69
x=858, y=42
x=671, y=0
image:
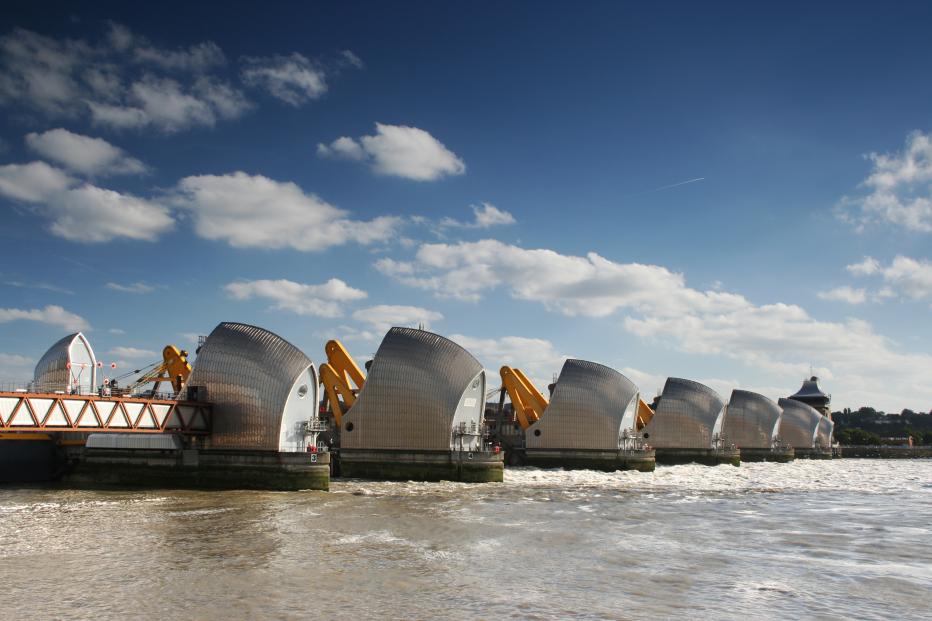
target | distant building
x=812, y=395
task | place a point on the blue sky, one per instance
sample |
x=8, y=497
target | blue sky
x=512, y=175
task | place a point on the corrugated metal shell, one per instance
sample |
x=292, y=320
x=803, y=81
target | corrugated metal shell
x=412, y=393
x=587, y=408
x=751, y=420
x=824, y=433
x=52, y=372
x=686, y=417
x=249, y=374
x=139, y=441
x=799, y=424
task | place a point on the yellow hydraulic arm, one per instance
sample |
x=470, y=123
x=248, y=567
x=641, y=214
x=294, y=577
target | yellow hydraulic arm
x=174, y=369
x=645, y=413
x=529, y=404
x=338, y=375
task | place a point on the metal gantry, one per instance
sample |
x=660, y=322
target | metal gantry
x=31, y=412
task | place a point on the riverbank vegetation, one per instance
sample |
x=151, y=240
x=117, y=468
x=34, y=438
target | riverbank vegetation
x=867, y=426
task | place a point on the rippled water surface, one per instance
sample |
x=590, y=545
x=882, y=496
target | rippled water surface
x=846, y=538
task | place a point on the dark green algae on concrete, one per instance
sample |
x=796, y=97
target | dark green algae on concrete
x=706, y=457
x=191, y=469
x=403, y=465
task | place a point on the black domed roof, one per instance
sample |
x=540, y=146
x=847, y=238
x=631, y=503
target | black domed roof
x=810, y=391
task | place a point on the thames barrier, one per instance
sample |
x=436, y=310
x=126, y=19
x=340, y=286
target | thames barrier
x=252, y=412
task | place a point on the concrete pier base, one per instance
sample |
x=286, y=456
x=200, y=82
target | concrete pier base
x=816, y=453
x=194, y=469
x=581, y=459
x=885, y=452
x=707, y=457
x=32, y=459
x=400, y=465
x=782, y=455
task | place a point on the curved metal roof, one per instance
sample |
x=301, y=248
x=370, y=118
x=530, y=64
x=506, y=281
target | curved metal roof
x=810, y=390
x=824, y=433
x=751, y=420
x=52, y=372
x=587, y=409
x=799, y=423
x=688, y=416
x=260, y=386
x=419, y=385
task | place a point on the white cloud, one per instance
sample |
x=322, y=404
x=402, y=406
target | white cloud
x=866, y=267
x=349, y=333
x=40, y=71
x=225, y=101
x=538, y=358
x=343, y=148
x=898, y=188
x=74, y=79
x=83, y=213
x=242, y=210
x=51, y=314
x=572, y=285
x=15, y=367
x=658, y=306
x=400, y=151
x=15, y=359
x=384, y=316
x=190, y=337
x=90, y=214
x=33, y=182
x=44, y=286
x=352, y=59
x=904, y=276
x=136, y=287
x=116, y=331
x=117, y=116
x=326, y=300
x=885, y=293
x=120, y=37
x=485, y=216
x=83, y=154
x=198, y=58
x=165, y=103
x=168, y=105
x=125, y=81
x=844, y=294
x=255, y=211
x=913, y=278
x=294, y=79
x=134, y=353
x=650, y=384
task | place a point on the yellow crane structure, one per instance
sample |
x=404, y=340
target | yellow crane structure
x=528, y=402
x=645, y=413
x=173, y=369
x=341, y=378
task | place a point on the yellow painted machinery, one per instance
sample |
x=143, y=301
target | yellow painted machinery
x=645, y=413
x=173, y=369
x=341, y=378
x=528, y=402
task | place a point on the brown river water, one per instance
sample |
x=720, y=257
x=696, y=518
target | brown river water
x=810, y=539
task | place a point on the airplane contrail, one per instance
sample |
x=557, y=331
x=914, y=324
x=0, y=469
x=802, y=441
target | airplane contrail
x=665, y=187
x=673, y=185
